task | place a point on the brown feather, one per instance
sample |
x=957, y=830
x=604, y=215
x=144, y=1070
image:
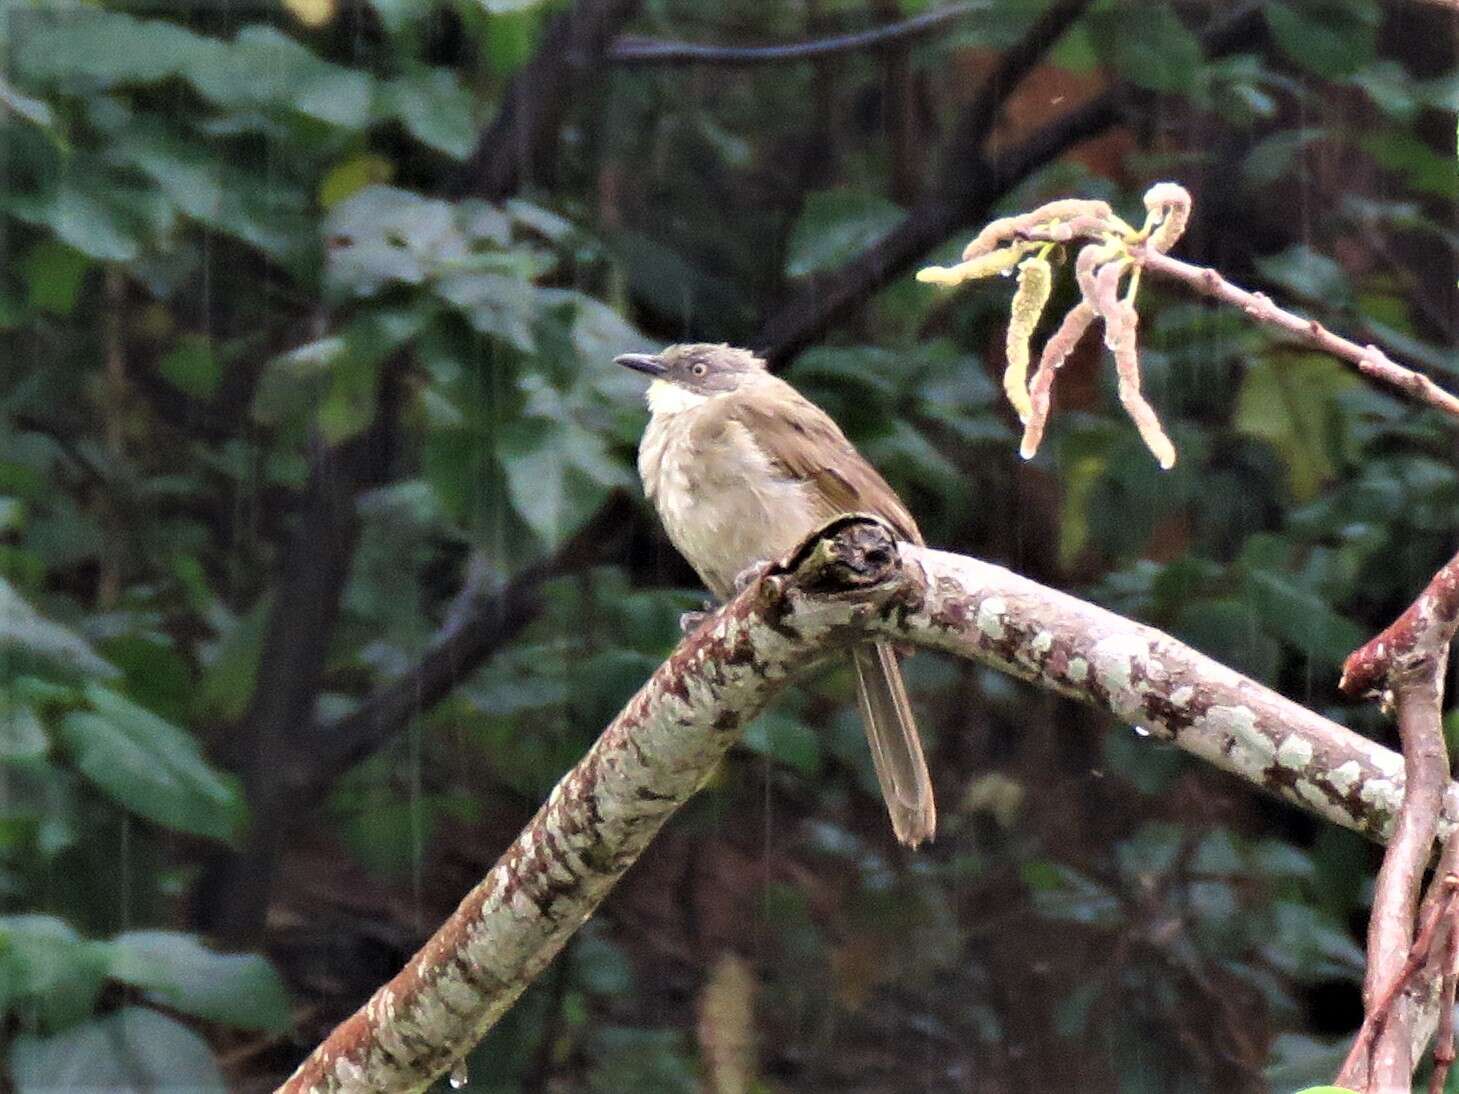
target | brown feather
x=801, y=440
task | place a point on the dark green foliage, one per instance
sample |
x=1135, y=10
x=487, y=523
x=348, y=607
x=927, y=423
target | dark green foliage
x=243, y=250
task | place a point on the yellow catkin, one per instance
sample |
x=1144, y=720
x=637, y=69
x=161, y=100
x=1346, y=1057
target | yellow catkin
x=1035, y=280
x=994, y=262
x=1127, y=371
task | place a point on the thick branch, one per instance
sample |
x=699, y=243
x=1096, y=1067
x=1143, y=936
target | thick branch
x=602, y=815
x=636, y=51
x=1149, y=679
x=519, y=144
x=1370, y=360
x=313, y=568
x=488, y=622
x=961, y=197
x=672, y=734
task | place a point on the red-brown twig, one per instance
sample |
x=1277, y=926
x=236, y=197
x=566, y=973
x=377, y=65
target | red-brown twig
x=1417, y=693
x=1444, y=1039
x=1370, y=360
x=1355, y=1068
x=1428, y=625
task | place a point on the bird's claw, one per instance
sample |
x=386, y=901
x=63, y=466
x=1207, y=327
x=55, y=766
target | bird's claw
x=751, y=574
x=689, y=622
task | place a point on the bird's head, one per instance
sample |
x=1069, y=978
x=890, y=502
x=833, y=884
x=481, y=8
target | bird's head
x=686, y=375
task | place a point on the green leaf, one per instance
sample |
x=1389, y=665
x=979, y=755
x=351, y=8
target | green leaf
x=787, y=740
x=178, y=971
x=227, y=683
x=91, y=222
x=151, y=767
x=1307, y=274
x=511, y=37
x=191, y=367
x=26, y=635
x=36, y=111
x=1301, y=618
x=835, y=226
x=54, y=274
x=436, y=109
x=1422, y=168
x=1288, y=400
x=22, y=736
x=1149, y=46
x=349, y=177
x=92, y=48
x=1332, y=38
x=1271, y=157
x=349, y=405
x=46, y=965
x=134, y=1050
x=1390, y=88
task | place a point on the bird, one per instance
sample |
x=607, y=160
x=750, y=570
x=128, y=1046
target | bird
x=742, y=468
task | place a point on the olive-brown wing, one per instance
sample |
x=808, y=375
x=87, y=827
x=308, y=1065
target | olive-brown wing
x=804, y=443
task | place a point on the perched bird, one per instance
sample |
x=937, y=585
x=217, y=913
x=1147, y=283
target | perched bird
x=742, y=468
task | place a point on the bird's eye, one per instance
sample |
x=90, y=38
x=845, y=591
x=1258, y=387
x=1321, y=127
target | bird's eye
x=700, y=369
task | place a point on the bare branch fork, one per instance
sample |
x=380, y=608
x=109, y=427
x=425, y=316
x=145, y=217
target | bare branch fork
x=1411, y=975
x=850, y=581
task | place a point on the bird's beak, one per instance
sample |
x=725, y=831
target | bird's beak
x=641, y=362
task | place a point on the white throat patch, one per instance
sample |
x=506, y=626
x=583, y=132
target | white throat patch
x=667, y=398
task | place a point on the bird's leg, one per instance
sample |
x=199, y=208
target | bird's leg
x=689, y=622
x=751, y=574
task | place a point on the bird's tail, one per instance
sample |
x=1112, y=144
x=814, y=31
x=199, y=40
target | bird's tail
x=896, y=750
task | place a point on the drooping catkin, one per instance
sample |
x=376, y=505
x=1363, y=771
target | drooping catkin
x=1035, y=282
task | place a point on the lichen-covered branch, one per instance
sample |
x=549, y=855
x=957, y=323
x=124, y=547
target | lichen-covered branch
x=602, y=815
x=1148, y=679
x=850, y=582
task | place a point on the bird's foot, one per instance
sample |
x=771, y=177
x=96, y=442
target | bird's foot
x=751, y=574
x=690, y=622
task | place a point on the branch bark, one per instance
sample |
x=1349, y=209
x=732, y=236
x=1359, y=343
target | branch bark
x=1369, y=360
x=232, y=898
x=516, y=150
x=634, y=52
x=466, y=642
x=847, y=583
x=962, y=196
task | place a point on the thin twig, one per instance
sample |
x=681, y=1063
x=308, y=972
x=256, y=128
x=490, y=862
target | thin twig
x=1354, y=1069
x=1444, y=1039
x=633, y=50
x=1417, y=694
x=1370, y=360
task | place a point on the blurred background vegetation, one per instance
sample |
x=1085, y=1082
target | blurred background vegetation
x=323, y=555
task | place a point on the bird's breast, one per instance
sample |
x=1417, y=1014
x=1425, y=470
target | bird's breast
x=723, y=503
